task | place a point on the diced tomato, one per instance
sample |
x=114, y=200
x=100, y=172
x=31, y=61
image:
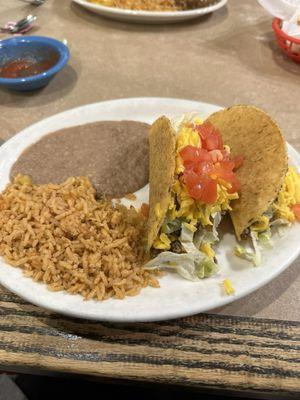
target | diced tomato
x=209, y=195
x=213, y=142
x=201, y=187
x=296, y=211
x=204, y=130
x=204, y=155
x=203, y=168
x=194, y=154
x=235, y=184
x=224, y=171
x=238, y=161
x=189, y=153
x=226, y=155
x=210, y=137
x=207, y=166
x=216, y=155
x=191, y=179
x=228, y=165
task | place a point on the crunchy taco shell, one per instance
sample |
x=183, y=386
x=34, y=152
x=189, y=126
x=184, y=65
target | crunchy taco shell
x=250, y=132
x=162, y=148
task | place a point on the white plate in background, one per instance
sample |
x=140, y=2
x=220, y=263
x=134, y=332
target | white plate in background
x=149, y=17
x=177, y=297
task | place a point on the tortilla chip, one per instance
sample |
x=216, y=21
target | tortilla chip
x=162, y=147
x=252, y=133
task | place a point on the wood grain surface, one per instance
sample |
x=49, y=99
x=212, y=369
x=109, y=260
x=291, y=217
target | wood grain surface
x=206, y=351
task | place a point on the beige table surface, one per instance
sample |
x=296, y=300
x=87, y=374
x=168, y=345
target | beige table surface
x=226, y=58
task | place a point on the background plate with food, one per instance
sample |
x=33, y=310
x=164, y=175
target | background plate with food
x=152, y=17
x=176, y=296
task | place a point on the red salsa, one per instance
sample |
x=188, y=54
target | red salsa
x=22, y=68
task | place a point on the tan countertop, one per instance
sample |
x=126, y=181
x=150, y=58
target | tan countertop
x=229, y=57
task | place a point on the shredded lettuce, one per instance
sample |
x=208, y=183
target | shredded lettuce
x=280, y=221
x=257, y=252
x=209, y=236
x=187, y=239
x=183, y=264
x=269, y=213
x=192, y=266
x=178, y=123
x=264, y=239
x=203, y=236
x=217, y=219
x=281, y=226
x=171, y=226
x=252, y=256
x=282, y=230
x=240, y=251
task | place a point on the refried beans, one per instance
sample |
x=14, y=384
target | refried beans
x=112, y=154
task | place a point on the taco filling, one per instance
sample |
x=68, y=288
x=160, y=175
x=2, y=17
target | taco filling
x=184, y=217
x=280, y=215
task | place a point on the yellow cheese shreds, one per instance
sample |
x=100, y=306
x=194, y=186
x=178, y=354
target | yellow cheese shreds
x=186, y=136
x=207, y=249
x=288, y=196
x=191, y=209
x=261, y=225
x=229, y=289
x=191, y=226
x=198, y=121
x=162, y=242
x=224, y=197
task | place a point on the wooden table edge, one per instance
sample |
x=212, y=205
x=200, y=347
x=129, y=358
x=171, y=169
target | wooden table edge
x=207, y=351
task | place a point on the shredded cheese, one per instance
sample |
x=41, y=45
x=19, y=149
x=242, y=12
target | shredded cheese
x=229, y=289
x=288, y=196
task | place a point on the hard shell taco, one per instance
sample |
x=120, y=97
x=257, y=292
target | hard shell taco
x=270, y=189
x=192, y=183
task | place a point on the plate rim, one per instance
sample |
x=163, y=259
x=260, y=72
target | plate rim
x=170, y=313
x=151, y=14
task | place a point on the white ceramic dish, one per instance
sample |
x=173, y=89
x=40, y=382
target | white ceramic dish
x=150, y=17
x=176, y=297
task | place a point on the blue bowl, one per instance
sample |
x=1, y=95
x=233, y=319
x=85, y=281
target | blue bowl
x=36, y=49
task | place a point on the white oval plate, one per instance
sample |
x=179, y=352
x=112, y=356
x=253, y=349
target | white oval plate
x=177, y=297
x=150, y=17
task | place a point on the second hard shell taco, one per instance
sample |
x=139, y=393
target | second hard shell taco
x=270, y=189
